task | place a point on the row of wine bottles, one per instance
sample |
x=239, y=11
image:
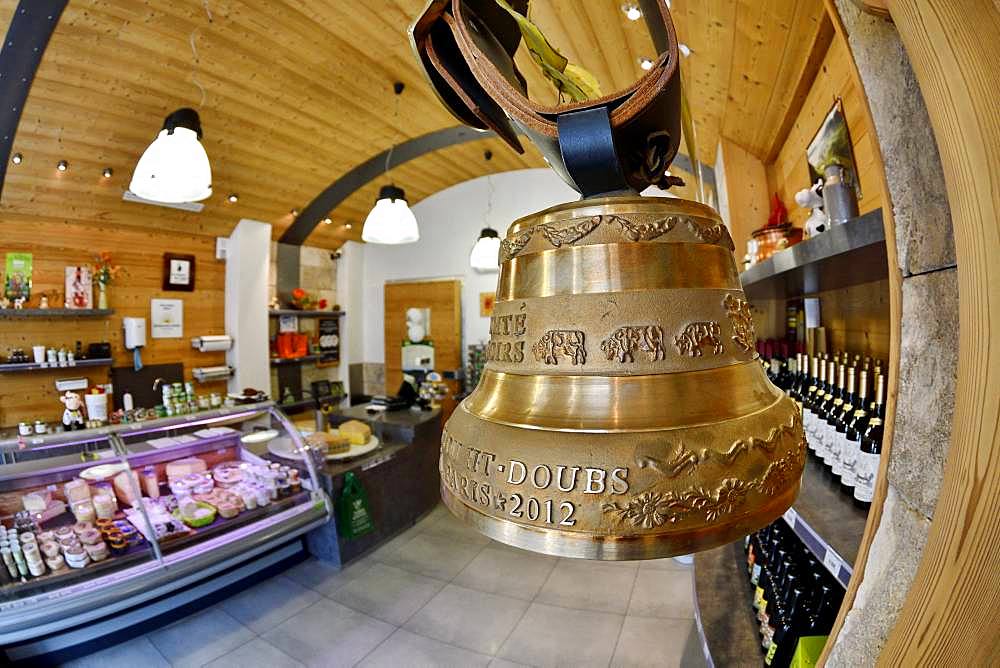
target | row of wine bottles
x=794, y=597
x=843, y=407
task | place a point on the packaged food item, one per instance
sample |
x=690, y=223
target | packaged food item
x=84, y=511
x=118, y=544
x=64, y=532
x=107, y=489
x=228, y=510
x=90, y=537
x=46, y=537
x=50, y=549
x=36, y=502
x=183, y=467
x=150, y=483
x=80, y=527
x=96, y=551
x=76, y=490
x=27, y=537
x=125, y=490
x=104, y=506
x=55, y=563
x=356, y=431
x=76, y=557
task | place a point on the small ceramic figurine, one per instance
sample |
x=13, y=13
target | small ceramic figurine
x=44, y=303
x=818, y=221
x=4, y=302
x=73, y=415
x=19, y=303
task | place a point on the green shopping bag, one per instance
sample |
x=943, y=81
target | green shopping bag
x=354, y=518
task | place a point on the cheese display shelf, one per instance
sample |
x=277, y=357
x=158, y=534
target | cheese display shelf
x=99, y=539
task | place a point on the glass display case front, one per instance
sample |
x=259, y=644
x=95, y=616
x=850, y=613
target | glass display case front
x=106, y=518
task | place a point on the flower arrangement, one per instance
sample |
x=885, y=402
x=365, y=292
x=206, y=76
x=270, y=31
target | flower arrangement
x=105, y=273
x=304, y=301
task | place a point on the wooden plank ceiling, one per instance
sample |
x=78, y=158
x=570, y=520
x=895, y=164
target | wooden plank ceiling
x=293, y=93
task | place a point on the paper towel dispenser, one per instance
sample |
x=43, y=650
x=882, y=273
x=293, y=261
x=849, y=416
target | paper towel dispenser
x=212, y=342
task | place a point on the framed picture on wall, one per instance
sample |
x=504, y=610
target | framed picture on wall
x=178, y=272
x=486, y=302
x=832, y=146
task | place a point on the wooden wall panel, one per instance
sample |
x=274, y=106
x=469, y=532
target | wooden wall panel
x=444, y=299
x=56, y=244
x=789, y=173
x=746, y=187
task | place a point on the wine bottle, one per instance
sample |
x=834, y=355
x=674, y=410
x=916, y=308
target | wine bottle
x=824, y=405
x=855, y=426
x=816, y=393
x=838, y=424
x=870, y=450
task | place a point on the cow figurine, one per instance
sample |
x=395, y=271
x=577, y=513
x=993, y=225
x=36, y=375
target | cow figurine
x=556, y=342
x=623, y=342
x=73, y=415
x=19, y=303
x=698, y=334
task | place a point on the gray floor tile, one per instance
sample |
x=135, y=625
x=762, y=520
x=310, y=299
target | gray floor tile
x=666, y=643
x=663, y=593
x=324, y=578
x=200, y=638
x=497, y=662
x=390, y=547
x=264, y=606
x=551, y=636
x=467, y=618
x=589, y=585
x=329, y=634
x=450, y=526
x=257, y=652
x=668, y=564
x=388, y=593
x=434, y=556
x=510, y=572
x=139, y=652
x=414, y=651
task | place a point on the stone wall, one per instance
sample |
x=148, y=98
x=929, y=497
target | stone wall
x=929, y=337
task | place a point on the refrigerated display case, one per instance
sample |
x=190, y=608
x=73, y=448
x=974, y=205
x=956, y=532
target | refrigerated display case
x=107, y=528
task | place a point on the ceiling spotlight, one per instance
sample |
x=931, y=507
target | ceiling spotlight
x=646, y=63
x=62, y=165
x=107, y=172
x=17, y=158
x=348, y=226
x=327, y=221
x=233, y=198
x=632, y=12
x=295, y=213
x=684, y=49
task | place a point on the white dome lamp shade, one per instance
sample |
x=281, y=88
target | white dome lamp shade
x=174, y=168
x=485, y=255
x=390, y=221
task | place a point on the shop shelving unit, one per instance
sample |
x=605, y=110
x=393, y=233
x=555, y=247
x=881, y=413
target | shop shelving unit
x=276, y=313
x=31, y=366
x=56, y=313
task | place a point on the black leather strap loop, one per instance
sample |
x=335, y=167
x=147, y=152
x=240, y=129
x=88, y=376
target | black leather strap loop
x=588, y=150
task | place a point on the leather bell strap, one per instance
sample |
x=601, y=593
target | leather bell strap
x=467, y=49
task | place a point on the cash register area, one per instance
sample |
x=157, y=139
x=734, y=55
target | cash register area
x=438, y=594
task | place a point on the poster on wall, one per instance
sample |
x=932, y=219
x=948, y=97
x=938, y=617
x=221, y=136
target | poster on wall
x=486, y=302
x=79, y=288
x=178, y=272
x=329, y=342
x=17, y=276
x=167, y=318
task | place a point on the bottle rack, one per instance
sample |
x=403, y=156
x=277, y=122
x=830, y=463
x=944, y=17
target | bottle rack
x=839, y=569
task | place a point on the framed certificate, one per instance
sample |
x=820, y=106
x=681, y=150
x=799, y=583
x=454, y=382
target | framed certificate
x=178, y=272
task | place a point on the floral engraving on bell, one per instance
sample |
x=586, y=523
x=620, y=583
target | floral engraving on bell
x=711, y=233
x=652, y=509
x=780, y=473
x=509, y=248
x=559, y=236
x=636, y=231
x=697, y=334
x=623, y=342
x=557, y=342
x=742, y=320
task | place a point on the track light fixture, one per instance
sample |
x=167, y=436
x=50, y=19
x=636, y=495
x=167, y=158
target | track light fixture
x=17, y=158
x=62, y=165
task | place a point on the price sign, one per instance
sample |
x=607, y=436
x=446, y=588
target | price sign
x=833, y=562
x=791, y=516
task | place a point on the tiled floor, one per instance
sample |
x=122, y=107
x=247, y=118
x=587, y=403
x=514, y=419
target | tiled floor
x=439, y=595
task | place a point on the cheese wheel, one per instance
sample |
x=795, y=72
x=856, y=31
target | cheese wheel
x=356, y=431
x=77, y=490
x=183, y=467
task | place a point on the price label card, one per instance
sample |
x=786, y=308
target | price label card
x=833, y=562
x=791, y=516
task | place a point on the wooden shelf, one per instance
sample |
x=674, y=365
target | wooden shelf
x=296, y=405
x=278, y=361
x=845, y=255
x=31, y=366
x=827, y=521
x=56, y=313
x=275, y=313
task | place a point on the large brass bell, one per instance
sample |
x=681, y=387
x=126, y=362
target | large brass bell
x=622, y=413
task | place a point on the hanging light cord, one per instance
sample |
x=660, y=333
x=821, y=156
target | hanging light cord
x=194, y=53
x=489, y=201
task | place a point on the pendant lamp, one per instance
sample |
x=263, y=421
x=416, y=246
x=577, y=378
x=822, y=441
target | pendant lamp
x=485, y=254
x=175, y=167
x=390, y=221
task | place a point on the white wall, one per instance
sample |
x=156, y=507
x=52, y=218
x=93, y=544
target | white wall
x=450, y=222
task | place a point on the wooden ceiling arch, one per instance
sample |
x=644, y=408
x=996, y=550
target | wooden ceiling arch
x=293, y=95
